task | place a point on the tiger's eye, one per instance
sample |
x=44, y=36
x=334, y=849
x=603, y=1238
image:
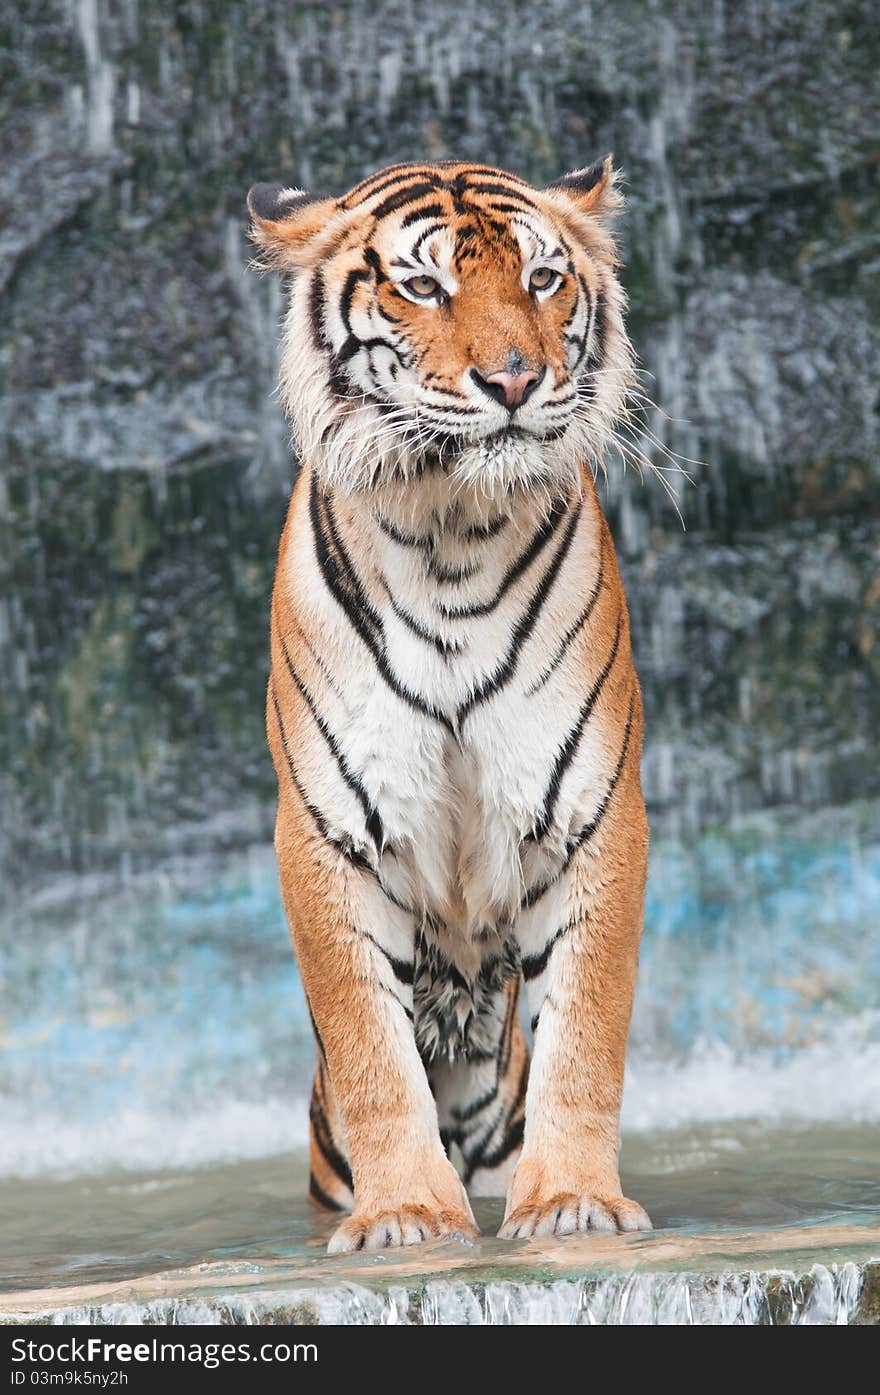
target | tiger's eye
x=541, y=278
x=423, y=286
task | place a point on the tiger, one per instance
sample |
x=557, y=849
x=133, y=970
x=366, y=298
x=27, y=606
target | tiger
x=452, y=710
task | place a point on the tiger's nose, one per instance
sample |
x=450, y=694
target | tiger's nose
x=511, y=389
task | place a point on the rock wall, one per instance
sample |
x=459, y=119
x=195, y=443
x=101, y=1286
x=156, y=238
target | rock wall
x=144, y=464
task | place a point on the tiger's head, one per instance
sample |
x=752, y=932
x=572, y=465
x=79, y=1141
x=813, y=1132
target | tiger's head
x=450, y=317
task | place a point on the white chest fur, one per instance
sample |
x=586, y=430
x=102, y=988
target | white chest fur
x=446, y=699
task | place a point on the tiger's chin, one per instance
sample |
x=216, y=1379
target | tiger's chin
x=514, y=461
x=455, y=469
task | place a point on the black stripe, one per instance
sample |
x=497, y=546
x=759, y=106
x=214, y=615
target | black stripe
x=516, y=569
x=338, y=382
x=424, y=235
x=578, y=625
x=320, y=663
x=386, y=891
x=402, y=170
x=561, y=401
x=480, y=531
x=587, y=386
x=589, y=829
x=408, y=194
x=494, y=187
x=340, y=577
x=463, y=1116
x=597, y=352
x=457, y=978
x=567, y=751
x=318, y=1038
x=401, y=968
x=374, y=262
x=465, y=234
x=507, y=668
x=357, y=608
x=534, y=894
x=405, y=539
x=383, y=988
x=443, y=646
x=371, y=813
x=519, y=1098
x=475, y=170
x=507, y=1034
x=514, y=1128
x=533, y=965
x=316, y=311
x=428, y=210
x=430, y=378
x=495, y=225
x=352, y=281
x=511, y=1141
x=474, y=1144
x=451, y=573
x=316, y=1191
x=497, y=207
x=348, y=852
x=326, y=1146
x=353, y=346
x=581, y=340
x=371, y=188
x=451, y=410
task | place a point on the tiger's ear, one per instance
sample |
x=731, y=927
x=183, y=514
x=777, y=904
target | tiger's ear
x=594, y=189
x=286, y=224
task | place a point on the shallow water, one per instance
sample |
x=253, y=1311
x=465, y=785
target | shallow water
x=163, y=1026
x=157, y=1062
x=729, y=1182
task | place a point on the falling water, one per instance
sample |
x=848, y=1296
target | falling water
x=825, y=1296
x=144, y=457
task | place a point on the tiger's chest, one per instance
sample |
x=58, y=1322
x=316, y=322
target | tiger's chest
x=452, y=734
x=457, y=811
x=458, y=680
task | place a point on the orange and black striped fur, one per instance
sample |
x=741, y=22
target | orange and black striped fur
x=453, y=711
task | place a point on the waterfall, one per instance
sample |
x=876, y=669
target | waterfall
x=828, y=1295
x=100, y=80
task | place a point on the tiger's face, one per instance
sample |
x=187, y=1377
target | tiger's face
x=450, y=317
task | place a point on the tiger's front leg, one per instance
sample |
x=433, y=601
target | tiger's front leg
x=355, y=957
x=579, y=951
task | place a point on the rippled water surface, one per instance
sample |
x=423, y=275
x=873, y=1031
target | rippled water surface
x=694, y=1182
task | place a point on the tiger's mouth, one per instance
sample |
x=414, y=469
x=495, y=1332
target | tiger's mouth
x=511, y=432
x=514, y=434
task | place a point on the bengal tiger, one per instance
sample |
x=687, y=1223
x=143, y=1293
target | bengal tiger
x=453, y=711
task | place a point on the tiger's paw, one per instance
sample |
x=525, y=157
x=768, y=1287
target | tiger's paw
x=569, y=1213
x=404, y=1225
